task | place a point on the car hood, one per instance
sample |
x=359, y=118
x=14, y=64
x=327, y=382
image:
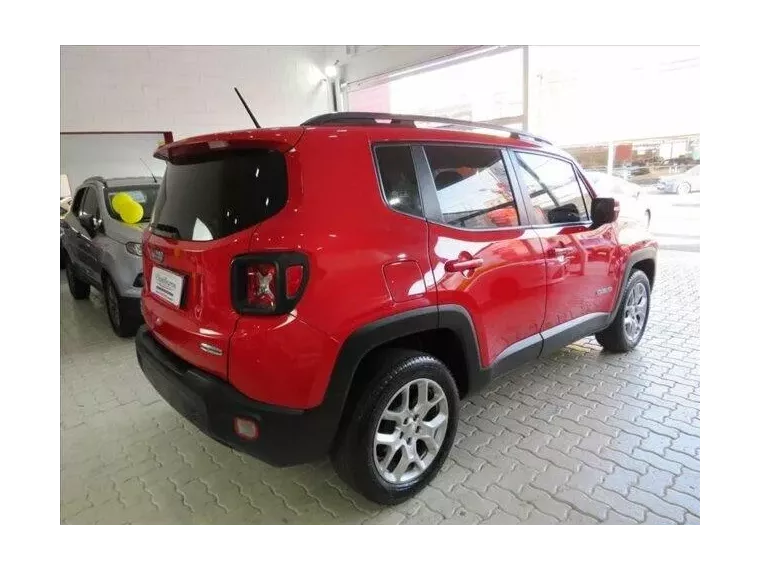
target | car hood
x=123, y=233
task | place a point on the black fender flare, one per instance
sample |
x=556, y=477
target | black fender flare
x=648, y=252
x=384, y=331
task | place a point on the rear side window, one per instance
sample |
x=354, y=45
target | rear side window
x=472, y=187
x=215, y=195
x=555, y=194
x=398, y=178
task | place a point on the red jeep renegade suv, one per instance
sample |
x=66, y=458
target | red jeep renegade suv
x=337, y=287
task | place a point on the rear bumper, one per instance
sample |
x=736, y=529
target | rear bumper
x=286, y=436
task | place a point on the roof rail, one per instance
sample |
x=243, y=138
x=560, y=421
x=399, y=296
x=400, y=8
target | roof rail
x=385, y=119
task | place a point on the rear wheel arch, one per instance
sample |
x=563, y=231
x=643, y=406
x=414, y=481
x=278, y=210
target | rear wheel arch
x=644, y=259
x=445, y=333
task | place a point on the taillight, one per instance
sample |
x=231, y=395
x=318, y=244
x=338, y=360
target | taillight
x=261, y=286
x=268, y=283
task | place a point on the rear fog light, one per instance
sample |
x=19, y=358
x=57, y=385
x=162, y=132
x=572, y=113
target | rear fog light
x=246, y=429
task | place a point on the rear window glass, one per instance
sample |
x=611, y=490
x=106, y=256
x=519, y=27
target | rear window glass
x=216, y=195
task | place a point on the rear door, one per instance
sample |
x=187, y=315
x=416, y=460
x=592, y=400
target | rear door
x=485, y=257
x=579, y=259
x=206, y=211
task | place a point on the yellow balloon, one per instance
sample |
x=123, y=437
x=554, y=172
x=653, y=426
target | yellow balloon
x=119, y=200
x=131, y=212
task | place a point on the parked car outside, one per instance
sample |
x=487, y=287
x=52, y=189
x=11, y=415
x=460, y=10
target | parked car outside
x=336, y=288
x=682, y=183
x=102, y=244
x=633, y=200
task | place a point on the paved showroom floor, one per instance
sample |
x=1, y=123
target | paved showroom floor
x=577, y=437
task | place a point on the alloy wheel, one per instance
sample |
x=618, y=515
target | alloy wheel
x=411, y=431
x=635, y=314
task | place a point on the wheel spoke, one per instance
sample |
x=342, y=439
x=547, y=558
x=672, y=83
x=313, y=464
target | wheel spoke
x=389, y=439
x=389, y=455
x=403, y=464
x=394, y=416
x=405, y=399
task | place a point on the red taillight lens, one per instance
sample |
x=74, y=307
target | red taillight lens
x=293, y=280
x=261, y=288
x=268, y=283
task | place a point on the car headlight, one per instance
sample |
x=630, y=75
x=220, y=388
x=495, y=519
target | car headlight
x=134, y=248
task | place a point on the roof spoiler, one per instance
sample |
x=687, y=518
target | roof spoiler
x=276, y=139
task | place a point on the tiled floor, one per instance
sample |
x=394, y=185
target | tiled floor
x=578, y=437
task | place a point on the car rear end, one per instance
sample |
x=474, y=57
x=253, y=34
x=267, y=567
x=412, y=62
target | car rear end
x=213, y=289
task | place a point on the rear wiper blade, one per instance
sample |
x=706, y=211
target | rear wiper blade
x=165, y=229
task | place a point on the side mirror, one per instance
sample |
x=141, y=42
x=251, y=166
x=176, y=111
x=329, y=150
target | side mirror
x=604, y=211
x=92, y=224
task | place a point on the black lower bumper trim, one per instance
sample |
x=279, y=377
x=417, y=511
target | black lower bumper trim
x=286, y=436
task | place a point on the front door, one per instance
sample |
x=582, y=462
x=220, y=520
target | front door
x=484, y=256
x=579, y=259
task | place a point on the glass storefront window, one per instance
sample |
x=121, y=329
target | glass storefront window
x=489, y=88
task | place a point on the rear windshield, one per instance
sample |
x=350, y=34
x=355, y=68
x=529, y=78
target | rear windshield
x=212, y=196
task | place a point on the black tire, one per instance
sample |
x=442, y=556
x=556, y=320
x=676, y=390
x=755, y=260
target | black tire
x=614, y=337
x=63, y=258
x=353, y=455
x=121, y=311
x=79, y=289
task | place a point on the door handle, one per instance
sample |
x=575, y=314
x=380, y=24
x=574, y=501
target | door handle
x=559, y=251
x=457, y=265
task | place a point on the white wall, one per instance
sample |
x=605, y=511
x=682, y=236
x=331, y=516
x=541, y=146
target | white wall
x=109, y=156
x=188, y=89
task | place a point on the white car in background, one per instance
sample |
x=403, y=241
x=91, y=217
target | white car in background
x=631, y=197
x=682, y=183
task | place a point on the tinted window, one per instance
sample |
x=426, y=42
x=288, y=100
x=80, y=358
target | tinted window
x=76, y=205
x=90, y=204
x=143, y=195
x=399, y=179
x=555, y=194
x=213, y=196
x=472, y=187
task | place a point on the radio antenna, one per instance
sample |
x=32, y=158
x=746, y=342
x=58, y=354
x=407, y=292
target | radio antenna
x=149, y=170
x=248, y=110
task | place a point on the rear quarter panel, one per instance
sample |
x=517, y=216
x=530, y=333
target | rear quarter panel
x=337, y=216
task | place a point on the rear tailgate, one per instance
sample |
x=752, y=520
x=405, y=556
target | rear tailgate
x=214, y=193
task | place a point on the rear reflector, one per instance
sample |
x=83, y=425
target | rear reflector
x=246, y=429
x=293, y=279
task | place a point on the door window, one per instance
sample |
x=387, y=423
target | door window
x=555, y=193
x=472, y=187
